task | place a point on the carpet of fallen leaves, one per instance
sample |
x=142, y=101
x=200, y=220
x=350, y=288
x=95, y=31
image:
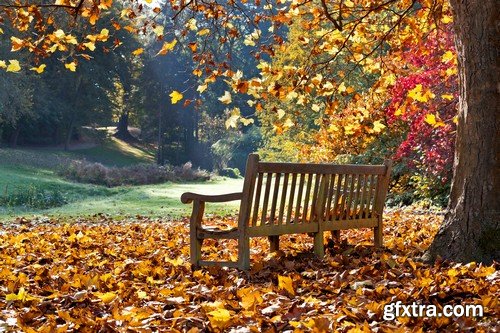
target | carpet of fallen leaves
x=102, y=275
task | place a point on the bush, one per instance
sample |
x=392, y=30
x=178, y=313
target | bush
x=230, y=172
x=32, y=197
x=140, y=174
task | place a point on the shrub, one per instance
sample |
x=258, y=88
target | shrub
x=32, y=197
x=141, y=174
x=230, y=172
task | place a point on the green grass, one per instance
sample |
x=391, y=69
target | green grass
x=115, y=152
x=24, y=169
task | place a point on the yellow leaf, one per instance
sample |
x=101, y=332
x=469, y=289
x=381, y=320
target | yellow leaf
x=3, y=64
x=281, y=113
x=71, y=66
x=447, y=56
x=106, y=297
x=13, y=66
x=378, y=126
x=142, y=294
x=416, y=94
x=90, y=46
x=285, y=283
x=226, y=98
x=232, y=121
x=148, y=1
x=175, y=96
x=219, y=318
x=158, y=30
x=197, y=72
x=138, y=52
x=201, y=88
x=447, y=96
x=246, y=121
x=430, y=119
x=39, y=69
x=17, y=43
x=288, y=123
x=203, y=32
x=167, y=46
x=447, y=19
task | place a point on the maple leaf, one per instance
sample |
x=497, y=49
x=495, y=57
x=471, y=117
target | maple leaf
x=285, y=283
x=167, y=46
x=138, y=51
x=158, y=30
x=39, y=69
x=71, y=66
x=13, y=66
x=175, y=97
x=106, y=297
x=226, y=98
x=219, y=318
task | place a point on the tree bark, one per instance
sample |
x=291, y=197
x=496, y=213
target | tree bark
x=122, y=131
x=470, y=230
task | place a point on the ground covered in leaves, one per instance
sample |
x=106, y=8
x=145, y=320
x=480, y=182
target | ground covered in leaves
x=102, y=275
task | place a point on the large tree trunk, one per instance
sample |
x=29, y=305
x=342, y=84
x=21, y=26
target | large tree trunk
x=122, y=131
x=470, y=231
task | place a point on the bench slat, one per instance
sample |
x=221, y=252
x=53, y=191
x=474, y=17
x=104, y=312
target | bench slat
x=315, y=168
x=350, y=224
x=283, y=198
x=290, y=200
x=266, y=198
x=306, y=201
x=299, y=198
x=274, y=198
x=271, y=230
x=257, y=199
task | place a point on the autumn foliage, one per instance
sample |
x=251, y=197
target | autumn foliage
x=99, y=274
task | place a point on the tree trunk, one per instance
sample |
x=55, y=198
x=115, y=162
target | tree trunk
x=122, y=131
x=470, y=230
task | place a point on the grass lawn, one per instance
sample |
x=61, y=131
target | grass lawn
x=160, y=200
x=22, y=170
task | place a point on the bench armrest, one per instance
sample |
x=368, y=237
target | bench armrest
x=188, y=197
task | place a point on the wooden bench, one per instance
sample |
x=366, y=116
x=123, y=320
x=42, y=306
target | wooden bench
x=291, y=198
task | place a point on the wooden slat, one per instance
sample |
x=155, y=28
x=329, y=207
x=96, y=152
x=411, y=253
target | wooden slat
x=283, y=199
x=266, y=199
x=229, y=234
x=329, y=198
x=308, y=194
x=373, y=186
x=351, y=195
x=344, y=193
x=350, y=224
x=274, y=201
x=338, y=194
x=315, y=195
x=321, y=168
x=363, y=197
x=283, y=229
x=355, y=209
x=299, y=198
x=290, y=200
x=257, y=199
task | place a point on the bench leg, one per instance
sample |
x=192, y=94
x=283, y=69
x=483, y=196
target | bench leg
x=195, y=250
x=378, y=237
x=336, y=235
x=274, y=243
x=195, y=223
x=319, y=246
x=244, y=253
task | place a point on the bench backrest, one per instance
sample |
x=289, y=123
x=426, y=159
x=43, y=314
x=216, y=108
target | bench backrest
x=286, y=195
